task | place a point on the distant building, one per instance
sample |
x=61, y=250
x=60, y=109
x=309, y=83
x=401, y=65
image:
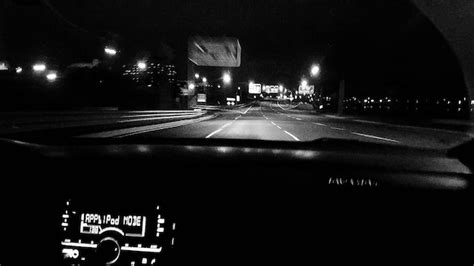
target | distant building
x=153, y=73
x=155, y=84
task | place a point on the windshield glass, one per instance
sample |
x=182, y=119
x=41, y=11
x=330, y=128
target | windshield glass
x=373, y=71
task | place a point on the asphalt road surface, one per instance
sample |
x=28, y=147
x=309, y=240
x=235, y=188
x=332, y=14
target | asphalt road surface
x=259, y=120
x=272, y=121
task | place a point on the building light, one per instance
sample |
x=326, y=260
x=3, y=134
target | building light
x=110, y=51
x=51, y=77
x=227, y=78
x=3, y=66
x=39, y=67
x=141, y=65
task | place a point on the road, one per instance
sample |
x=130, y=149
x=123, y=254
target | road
x=260, y=120
x=272, y=121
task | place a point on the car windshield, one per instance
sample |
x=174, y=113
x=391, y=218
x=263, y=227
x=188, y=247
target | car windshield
x=390, y=72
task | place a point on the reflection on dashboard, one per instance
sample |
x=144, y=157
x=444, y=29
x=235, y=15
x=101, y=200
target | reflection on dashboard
x=353, y=182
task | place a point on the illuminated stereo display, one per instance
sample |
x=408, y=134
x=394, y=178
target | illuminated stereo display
x=122, y=236
x=125, y=225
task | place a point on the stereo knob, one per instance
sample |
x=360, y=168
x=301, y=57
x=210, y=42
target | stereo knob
x=108, y=250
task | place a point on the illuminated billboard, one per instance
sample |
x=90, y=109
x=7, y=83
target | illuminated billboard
x=214, y=51
x=271, y=89
x=308, y=89
x=201, y=98
x=255, y=88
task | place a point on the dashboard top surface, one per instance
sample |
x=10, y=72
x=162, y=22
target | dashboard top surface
x=330, y=158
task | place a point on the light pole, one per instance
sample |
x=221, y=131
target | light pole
x=315, y=71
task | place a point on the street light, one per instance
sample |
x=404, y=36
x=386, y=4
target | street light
x=39, y=67
x=315, y=69
x=141, y=65
x=227, y=79
x=110, y=51
x=51, y=76
x=196, y=75
x=18, y=70
x=192, y=86
x=204, y=79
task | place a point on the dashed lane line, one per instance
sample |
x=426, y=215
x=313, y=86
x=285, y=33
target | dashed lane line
x=213, y=133
x=291, y=135
x=319, y=124
x=375, y=137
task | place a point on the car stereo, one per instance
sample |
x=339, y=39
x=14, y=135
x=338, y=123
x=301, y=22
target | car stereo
x=114, y=233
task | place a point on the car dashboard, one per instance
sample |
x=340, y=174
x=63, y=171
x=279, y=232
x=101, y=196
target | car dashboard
x=172, y=202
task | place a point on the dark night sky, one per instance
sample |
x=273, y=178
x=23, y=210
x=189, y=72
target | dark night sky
x=381, y=47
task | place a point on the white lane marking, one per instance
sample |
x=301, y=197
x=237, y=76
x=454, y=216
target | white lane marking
x=413, y=127
x=291, y=135
x=335, y=116
x=226, y=125
x=283, y=130
x=213, y=133
x=219, y=130
x=319, y=124
x=337, y=128
x=403, y=126
x=245, y=112
x=237, y=117
x=299, y=119
x=375, y=137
